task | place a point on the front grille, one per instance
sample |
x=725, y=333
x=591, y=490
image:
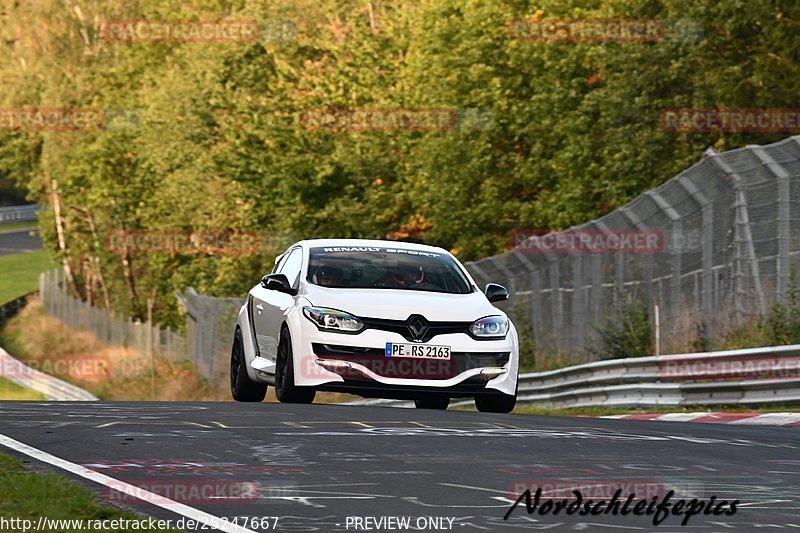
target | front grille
x=406, y=367
x=405, y=327
x=471, y=387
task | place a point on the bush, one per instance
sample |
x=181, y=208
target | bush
x=627, y=334
x=783, y=323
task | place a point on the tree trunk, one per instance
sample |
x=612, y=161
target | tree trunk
x=129, y=283
x=62, y=243
x=96, y=263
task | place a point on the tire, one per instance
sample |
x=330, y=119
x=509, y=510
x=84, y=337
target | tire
x=496, y=403
x=243, y=389
x=285, y=389
x=432, y=402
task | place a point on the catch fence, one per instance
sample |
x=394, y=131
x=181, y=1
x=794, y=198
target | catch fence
x=727, y=231
x=205, y=341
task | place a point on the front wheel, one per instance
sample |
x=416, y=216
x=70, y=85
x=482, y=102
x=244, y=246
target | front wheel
x=243, y=389
x=432, y=402
x=496, y=403
x=285, y=389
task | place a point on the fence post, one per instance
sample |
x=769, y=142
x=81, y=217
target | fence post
x=536, y=305
x=675, y=252
x=744, y=236
x=531, y=267
x=597, y=265
x=556, y=308
x=619, y=272
x=475, y=269
x=577, y=311
x=510, y=279
x=784, y=217
x=707, y=207
x=648, y=259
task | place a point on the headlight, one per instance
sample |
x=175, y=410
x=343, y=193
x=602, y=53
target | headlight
x=491, y=327
x=332, y=319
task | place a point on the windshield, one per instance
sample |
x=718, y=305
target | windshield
x=385, y=268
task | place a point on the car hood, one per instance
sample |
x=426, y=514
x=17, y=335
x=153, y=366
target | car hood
x=398, y=304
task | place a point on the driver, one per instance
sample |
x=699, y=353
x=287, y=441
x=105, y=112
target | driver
x=330, y=277
x=403, y=275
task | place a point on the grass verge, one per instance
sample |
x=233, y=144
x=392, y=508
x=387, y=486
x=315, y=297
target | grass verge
x=21, y=273
x=11, y=391
x=28, y=496
x=14, y=226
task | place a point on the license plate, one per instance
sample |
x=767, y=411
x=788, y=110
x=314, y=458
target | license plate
x=417, y=351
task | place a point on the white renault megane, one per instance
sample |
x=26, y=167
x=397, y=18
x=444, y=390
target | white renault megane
x=380, y=319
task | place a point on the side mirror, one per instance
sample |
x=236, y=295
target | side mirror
x=495, y=292
x=277, y=282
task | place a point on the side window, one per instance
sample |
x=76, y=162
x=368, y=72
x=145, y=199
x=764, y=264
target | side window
x=292, y=265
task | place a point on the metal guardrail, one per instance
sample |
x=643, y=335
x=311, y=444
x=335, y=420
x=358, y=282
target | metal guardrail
x=14, y=370
x=48, y=386
x=18, y=213
x=735, y=377
x=713, y=378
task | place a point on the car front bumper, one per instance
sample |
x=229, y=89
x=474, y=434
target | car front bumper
x=356, y=363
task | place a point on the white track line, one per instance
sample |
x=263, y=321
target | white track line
x=111, y=483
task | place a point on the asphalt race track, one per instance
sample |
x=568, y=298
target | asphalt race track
x=319, y=467
x=16, y=241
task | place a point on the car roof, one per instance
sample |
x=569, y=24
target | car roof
x=313, y=243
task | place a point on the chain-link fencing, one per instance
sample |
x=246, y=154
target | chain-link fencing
x=206, y=341
x=707, y=251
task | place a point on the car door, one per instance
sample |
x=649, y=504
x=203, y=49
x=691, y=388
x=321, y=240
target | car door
x=269, y=306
